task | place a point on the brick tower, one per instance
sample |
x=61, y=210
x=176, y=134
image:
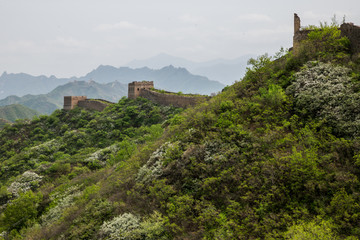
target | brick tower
x=135, y=88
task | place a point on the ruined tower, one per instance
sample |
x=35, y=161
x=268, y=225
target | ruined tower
x=351, y=31
x=296, y=23
x=135, y=88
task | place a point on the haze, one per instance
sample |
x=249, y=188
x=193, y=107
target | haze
x=70, y=38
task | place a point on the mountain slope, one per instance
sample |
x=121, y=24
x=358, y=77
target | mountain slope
x=17, y=111
x=47, y=103
x=275, y=156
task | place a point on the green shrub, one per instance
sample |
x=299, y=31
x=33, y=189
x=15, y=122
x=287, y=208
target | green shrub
x=21, y=211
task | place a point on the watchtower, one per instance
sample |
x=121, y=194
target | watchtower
x=70, y=102
x=135, y=88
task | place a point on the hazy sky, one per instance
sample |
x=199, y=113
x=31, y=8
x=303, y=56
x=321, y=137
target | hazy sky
x=71, y=37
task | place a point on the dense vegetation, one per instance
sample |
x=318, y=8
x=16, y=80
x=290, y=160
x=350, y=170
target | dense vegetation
x=275, y=156
x=16, y=111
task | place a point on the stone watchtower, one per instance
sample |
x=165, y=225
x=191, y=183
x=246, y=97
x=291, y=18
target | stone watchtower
x=135, y=88
x=72, y=101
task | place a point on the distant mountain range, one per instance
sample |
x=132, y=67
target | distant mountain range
x=47, y=103
x=15, y=111
x=21, y=84
x=167, y=78
x=221, y=70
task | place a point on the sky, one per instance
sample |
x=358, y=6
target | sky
x=72, y=37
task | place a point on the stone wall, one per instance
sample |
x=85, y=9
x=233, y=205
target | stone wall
x=353, y=33
x=168, y=99
x=70, y=102
x=93, y=104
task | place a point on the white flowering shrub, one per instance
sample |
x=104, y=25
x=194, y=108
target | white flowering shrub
x=59, y=202
x=326, y=91
x=154, y=166
x=102, y=155
x=119, y=226
x=212, y=152
x=128, y=226
x=46, y=147
x=28, y=180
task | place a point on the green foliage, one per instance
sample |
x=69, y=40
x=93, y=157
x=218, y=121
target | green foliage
x=21, y=212
x=312, y=230
x=325, y=43
x=274, y=96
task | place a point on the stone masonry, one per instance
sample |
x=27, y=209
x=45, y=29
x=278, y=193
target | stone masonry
x=70, y=102
x=143, y=89
x=135, y=88
x=171, y=99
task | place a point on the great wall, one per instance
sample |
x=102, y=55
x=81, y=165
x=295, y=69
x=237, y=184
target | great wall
x=146, y=89
x=351, y=31
x=136, y=89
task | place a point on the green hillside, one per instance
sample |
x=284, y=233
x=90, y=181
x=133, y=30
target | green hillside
x=16, y=111
x=274, y=156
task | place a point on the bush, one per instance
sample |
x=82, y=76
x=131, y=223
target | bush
x=325, y=91
x=325, y=43
x=28, y=180
x=21, y=212
x=311, y=230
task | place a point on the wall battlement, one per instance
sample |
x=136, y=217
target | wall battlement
x=351, y=31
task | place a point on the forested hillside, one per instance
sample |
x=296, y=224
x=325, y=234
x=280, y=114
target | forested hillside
x=274, y=156
x=16, y=111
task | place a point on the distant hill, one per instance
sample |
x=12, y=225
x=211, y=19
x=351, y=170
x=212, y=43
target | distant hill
x=168, y=78
x=12, y=112
x=225, y=71
x=47, y=103
x=20, y=84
